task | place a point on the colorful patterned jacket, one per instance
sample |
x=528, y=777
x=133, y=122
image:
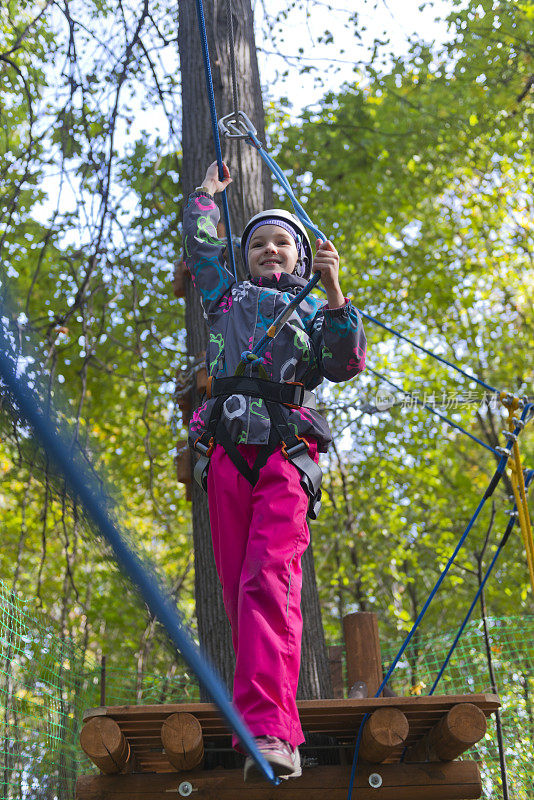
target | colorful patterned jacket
x=315, y=343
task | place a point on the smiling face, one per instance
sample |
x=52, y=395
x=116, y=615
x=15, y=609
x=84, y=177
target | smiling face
x=271, y=249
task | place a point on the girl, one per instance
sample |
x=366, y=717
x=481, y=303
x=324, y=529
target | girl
x=259, y=432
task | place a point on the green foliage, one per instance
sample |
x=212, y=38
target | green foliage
x=422, y=171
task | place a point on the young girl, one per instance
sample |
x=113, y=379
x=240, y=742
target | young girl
x=261, y=433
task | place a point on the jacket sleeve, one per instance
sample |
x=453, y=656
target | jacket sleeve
x=203, y=250
x=340, y=342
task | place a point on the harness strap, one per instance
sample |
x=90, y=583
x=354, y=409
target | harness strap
x=292, y=394
x=294, y=447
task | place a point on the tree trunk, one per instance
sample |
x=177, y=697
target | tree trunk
x=250, y=192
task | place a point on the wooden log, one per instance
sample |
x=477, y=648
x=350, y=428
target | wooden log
x=459, y=729
x=103, y=741
x=385, y=730
x=364, y=662
x=180, y=276
x=181, y=736
x=182, y=461
x=456, y=780
x=184, y=404
x=335, y=662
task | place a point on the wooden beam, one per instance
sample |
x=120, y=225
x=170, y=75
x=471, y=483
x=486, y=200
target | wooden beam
x=385, y=731
x=457, y=780
x=103, y=741
x=459, y=729
x=364, y=662
x=181, y=737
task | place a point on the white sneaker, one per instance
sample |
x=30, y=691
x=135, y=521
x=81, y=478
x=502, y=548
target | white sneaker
x=279, y=754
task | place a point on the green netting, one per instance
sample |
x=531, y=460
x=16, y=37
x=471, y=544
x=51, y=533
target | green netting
x=47, y=680
x=512, y=649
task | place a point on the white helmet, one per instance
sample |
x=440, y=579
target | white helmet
x=305, y=251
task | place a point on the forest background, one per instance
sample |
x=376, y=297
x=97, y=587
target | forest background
x=419, y=166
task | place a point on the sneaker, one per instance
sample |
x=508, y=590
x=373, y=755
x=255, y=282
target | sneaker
x=280, y=755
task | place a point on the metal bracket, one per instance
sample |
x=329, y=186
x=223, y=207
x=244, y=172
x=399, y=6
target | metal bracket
x=236, y=126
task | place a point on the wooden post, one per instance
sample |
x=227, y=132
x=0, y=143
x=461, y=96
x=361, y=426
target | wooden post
x=103, y=681
x=183, y=461
x=461, y=727
x=103, y=741
x=335, y=660
x=385, y=730
x=184, y=404
x=181, y=736
x=364, y=662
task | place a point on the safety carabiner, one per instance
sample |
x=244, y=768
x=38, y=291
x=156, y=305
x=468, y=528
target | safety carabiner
x=236, y=126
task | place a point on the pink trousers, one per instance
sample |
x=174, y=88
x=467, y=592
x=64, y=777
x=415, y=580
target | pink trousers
x=259, y=535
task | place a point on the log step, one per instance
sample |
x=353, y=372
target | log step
x=104, y=743
x=181, y=736
x=462, y=727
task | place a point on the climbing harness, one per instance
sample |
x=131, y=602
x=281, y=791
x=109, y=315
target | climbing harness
x=295, y=448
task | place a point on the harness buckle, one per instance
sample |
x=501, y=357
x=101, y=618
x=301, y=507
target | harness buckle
x=298, y=397
x=206, y=450
x=236, y=126
x=296, y=449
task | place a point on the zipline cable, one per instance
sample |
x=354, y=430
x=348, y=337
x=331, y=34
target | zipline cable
x=215, y=129
x=78, y=478
x=432, y=410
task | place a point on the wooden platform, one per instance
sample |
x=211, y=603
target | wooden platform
x=141, y=725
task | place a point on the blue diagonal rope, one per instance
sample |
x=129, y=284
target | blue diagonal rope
x=467, y=617
x=215, y=129
x=81, y=484
x=303, y=216
x=432, y=410
x=489, y=491
x=430, y=353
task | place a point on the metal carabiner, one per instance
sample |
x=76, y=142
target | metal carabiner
x=236, y=126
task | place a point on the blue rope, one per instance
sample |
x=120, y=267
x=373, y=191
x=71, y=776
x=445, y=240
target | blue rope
x=489, y=491
x=275, y=169
x=433, y=411
x=79, y=480
x=502, y=543
x=215, y=129
x=430, y=353
x=304, y=218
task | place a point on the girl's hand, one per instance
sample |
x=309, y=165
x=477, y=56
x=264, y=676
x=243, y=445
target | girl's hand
x=326, y=262
x=211, y=182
